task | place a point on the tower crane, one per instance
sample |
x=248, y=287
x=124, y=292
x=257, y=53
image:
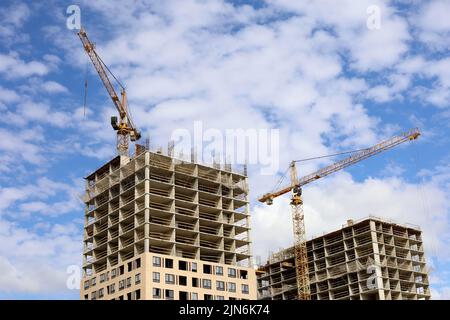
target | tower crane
x=125, y=128
x=295, y=187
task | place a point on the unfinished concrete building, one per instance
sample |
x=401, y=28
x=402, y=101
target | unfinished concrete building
x=161, y=228
x=369, y=259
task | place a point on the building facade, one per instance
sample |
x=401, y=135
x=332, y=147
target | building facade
x=367, y=260
x=161, y=228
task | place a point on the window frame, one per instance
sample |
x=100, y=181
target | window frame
x=157, y=264
x=206, y=281
x=167, y=276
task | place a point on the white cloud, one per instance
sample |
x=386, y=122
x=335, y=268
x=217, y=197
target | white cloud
x=13, y=18
x=369, y=50
x=54, y=87
x=11, y=66
x=39, y=198
x=32, y=263
x=8, y=96
x=433, y=24
x=435, y=71
x=20, y=146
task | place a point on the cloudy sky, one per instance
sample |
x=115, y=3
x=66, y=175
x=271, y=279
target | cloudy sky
x=319, y=71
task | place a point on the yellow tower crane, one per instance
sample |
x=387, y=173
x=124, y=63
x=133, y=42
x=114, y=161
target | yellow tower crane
x=295, y=187
x=125, y=128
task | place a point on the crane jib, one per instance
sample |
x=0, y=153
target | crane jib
x=125, y=128
x=357, y=157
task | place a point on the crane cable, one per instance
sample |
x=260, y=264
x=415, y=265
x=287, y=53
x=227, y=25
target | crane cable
x=331, y=155
x=110, y=72
x=85, y=90
x=129, y=118
x=280, y=181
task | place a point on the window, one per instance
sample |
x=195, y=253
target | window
x=170, y=278
x=232, y=272
x=94, y=295
x=113, y=273
x=219, y=270
x=220, y=298
x=86, y=297
x=102, y=277
x=194, y=296
x=231, y=287
x=156, y=293
x=137, y=294
x=206, y=283
x=130, y=266
x=220, y=285
x=121, y=270
x=137, y=264
x=111, y=289
x=207, y=269
x=156, y=277
x=93, y=282
x=182, y=265
x=243, y=274
x=129, y=296
x=156, y=261
x=182, y=281
x=121, y=284
x=183, y=295
x=86, y=285
x=195, y=282
x=128, y=282
x=244, y=288
x=194, y=266
x=208, y=297
x=168, y=263
x=100, y=293
x=169, y=294
x=137, y=278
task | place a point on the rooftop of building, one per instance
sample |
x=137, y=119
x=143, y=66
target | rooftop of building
x=288, y=252
x=121, y=160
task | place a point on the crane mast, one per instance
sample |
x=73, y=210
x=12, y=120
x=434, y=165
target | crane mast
x=295, y=187
x=124, y=127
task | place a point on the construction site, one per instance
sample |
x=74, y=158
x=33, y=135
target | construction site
x=158, y=226
x=372, y=259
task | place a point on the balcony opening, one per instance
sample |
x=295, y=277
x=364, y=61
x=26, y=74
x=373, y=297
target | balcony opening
x=183, y=295
x=182, y=281
x=168, y=263
x=207, y=269
x=182, y=265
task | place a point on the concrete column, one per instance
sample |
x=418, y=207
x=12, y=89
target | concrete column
x=379, y=279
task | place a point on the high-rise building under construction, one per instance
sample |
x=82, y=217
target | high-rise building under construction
x=368, y=259
x=161, y=228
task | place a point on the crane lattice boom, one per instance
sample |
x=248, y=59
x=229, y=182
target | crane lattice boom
x=125, y=127
x=356, y=157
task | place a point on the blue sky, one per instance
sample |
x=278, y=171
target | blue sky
x=312, y=69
